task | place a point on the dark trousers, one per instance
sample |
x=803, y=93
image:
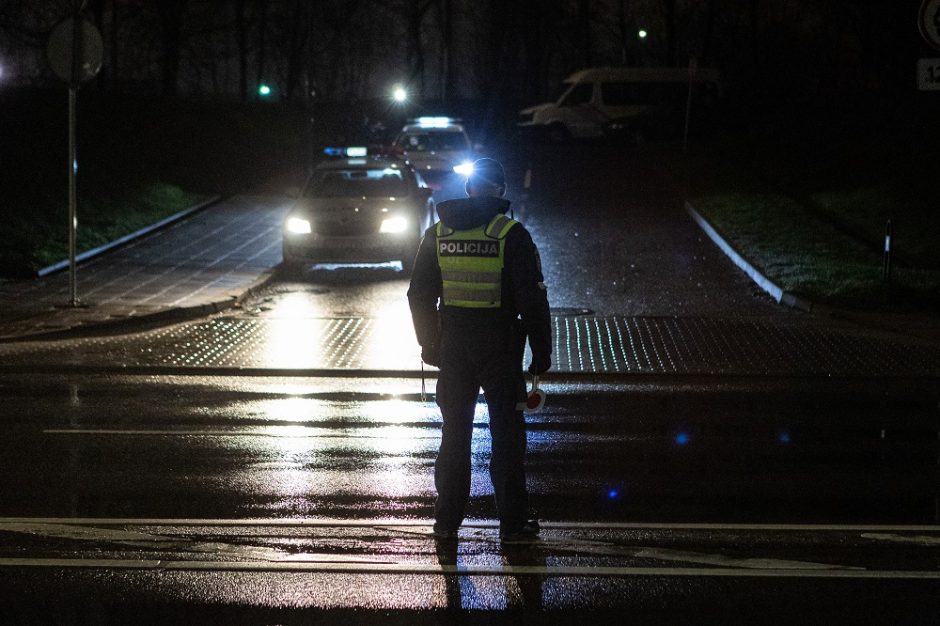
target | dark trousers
x=475, y=356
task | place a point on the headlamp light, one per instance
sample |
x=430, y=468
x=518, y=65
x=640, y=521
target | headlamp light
x=298, y=226
x=394, y=225
x=464, y=169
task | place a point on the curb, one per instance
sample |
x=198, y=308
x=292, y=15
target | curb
x=147, y=322
x=776, y=292
x=146, y=230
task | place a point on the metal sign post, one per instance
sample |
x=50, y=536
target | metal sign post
x=73, y=196
x=75, y=52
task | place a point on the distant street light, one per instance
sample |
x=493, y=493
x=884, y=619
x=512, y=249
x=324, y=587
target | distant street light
x=399, y=94
x=642, y=34
x=264, y=90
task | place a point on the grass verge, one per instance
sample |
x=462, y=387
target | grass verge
x=105, y=219
x=814, y=223
x=810, y=257
x=140, y=161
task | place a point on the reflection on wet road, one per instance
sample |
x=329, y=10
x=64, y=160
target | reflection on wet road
x=302, y=493
x=474, y=572
x=289, y=447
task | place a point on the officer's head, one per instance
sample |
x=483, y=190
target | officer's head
x=487, y=179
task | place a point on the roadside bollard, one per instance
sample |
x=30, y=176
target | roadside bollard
x=886, y=269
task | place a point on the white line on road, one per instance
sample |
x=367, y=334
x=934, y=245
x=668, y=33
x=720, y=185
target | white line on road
x=293, y=434
x=583, y=546
x=353, y=523
x=919, y=540
x=467, y=570
x=579, y=545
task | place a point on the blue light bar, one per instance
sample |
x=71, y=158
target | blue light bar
x=434, y=122
x=349, y=151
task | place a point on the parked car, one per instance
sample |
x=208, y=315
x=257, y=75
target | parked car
x=605, y=100
x=358, y=208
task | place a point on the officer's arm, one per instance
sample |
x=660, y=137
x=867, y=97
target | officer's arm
x=425, y=291
x=529, y=291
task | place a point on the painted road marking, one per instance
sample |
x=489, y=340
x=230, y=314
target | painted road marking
x=684, y=556
x=238, y=557
x=466, y=570
x=226, y=433
x=919, y=540
x=352, y=523
x=604, y=548
x=568, y=544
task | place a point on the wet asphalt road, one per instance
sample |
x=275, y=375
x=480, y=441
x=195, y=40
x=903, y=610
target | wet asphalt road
x=284, y=500
x=214, y=447
x=265, y=499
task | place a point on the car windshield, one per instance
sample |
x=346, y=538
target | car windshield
x=339, y=183
x=431, y=140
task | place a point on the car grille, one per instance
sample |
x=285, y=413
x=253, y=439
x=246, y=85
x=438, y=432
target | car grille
x=346, y=227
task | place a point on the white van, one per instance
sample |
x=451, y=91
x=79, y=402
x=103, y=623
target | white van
x=596, y=99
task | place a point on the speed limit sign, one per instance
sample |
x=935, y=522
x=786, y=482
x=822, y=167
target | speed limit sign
x=929, y=22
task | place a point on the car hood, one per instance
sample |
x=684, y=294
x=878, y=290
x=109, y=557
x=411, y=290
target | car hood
x=351, y=204
x=437, y=156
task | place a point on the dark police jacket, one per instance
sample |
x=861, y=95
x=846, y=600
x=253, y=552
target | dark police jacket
x=523, y=289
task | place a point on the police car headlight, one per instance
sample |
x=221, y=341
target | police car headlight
x=394, y=225
x=464, y=169
x=298, y=226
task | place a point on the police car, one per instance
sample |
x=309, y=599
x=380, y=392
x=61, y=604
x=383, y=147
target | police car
x=436, y=146
x=358, y=208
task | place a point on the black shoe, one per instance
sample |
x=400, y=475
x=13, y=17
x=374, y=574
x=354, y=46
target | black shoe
x=444, y=534
x=526, y=532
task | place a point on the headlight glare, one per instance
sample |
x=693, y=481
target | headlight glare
x=394, y=225
x=298, y=226
x=464, y=169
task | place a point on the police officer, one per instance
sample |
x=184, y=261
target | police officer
x=476, y=293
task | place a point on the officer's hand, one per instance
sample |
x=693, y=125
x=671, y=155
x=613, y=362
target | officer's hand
x=540, y=364
x=431, y=355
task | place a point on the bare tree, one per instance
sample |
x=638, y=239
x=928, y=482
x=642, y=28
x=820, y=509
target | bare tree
x=262, y=32
x=241, y=37
x=447, y=39
x=415, y=12
x=297, y=38
x=669, y=15
x=171, y=14
x=584, y=28
x=709, y=30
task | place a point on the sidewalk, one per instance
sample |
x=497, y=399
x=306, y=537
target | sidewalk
x=208, y=262
x=199, y=265
x=585, y=347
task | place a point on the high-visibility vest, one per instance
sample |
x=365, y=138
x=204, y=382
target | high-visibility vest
x=472, y=262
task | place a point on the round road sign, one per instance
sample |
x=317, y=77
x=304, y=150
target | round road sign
x=930, y=22
x=61, y=50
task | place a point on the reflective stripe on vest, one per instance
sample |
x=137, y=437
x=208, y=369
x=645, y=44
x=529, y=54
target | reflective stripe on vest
x=471, y=263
